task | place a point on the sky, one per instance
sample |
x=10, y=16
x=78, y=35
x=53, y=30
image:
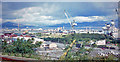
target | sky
x=52, y=13
x=60, y=0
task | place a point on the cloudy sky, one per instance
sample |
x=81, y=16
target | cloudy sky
x=51, y=13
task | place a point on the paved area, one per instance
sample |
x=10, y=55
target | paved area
x=51, y=53
x=101, y=52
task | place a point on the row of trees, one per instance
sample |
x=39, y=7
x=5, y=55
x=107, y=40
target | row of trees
x=20, y=47
x=79, y=37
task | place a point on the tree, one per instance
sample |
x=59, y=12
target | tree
x=9, y=49
x=4, y=44
x=33, y=39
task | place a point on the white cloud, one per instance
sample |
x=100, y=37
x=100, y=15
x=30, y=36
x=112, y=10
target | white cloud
x=45, y=9
x=37, y=15
x=42, y=16
x=46, y=20
x=0, y=20
x=94, y=18
x=46, y=17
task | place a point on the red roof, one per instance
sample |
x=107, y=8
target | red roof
x=27, y=36
x=13, y=35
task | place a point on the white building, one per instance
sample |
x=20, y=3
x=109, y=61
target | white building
x=27, y=38
x=49, y=45
x=20, y=37
x=52, y=45
x=38, y=40
x=101, y=42
x=91, y=42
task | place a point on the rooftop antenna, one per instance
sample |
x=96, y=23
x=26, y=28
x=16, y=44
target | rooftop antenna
x=18, y=26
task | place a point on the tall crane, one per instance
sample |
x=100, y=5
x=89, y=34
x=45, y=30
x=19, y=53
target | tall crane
x=72, y=23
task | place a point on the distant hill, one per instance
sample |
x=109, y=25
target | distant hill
x=13, y=25
x=83, y=24
x=66, y=25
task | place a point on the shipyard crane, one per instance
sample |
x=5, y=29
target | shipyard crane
x=72, y=23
